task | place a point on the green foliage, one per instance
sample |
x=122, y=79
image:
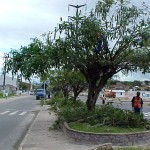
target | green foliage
x=66, y=81
x=72, y=112
x=9, y=95
x=118, y=117
x=24, y=86
x=55, y=100
x=42, y=102
x=132, y=148
x=105, y=115
x=1, y=95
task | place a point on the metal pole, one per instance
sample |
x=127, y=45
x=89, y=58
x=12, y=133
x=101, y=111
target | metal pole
x=77, y=14
x=77, y=21
x=4, y=72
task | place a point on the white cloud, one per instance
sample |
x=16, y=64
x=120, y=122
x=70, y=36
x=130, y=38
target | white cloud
x=133, y=76
x=25, y=19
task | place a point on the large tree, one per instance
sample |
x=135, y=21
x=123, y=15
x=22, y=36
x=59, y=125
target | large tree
x=113, y=38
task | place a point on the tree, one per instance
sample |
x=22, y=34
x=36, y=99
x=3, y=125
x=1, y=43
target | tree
x=111, y=82
x=136, y=83
x=30, y=60
x=77, y=82
x=147, y=82
x=24, y=86
x=114, y=38
x=67, y=81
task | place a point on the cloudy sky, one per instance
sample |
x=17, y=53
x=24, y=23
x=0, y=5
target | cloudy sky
x=21, y=20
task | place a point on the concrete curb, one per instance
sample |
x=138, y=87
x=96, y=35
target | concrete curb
x=28, y=131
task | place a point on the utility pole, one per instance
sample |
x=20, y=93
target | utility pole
x=6, y=56
x=77, y=18
x=77, y=13
x=77, y=7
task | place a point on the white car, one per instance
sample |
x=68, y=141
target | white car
x=32, y=93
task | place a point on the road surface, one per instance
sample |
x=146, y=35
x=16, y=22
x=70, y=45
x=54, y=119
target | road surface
x=15, y=117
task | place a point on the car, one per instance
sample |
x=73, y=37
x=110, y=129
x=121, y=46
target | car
x=32, y=93
x=40, y=93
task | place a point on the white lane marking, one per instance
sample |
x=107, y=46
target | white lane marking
x=147, y=114
x=23, y=113
x=5, y=112
x=13, y=113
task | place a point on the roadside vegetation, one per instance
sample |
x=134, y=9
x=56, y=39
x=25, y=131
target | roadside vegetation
x=132, y=148
x=1, y=95
x=103, y=129
x=9, y=95
x=103, y=119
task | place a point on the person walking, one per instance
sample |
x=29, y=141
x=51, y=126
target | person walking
x=137, y=103
x=103, y=99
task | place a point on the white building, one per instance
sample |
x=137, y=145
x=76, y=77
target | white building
x=8, y=80
x=143, y=94
x=119, y=93
x=10, y=85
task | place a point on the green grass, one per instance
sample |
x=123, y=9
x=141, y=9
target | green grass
x=9, y=95
x=103, y=129
x=1, y=95
x=132, y=148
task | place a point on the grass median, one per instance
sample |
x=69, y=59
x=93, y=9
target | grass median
x=103, y=129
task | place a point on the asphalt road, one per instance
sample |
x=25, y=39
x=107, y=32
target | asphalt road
x=15, y=117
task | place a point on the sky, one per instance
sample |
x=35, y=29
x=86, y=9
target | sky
x=21, y=20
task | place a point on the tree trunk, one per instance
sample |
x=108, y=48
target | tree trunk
x=93, y=93
x=97, y=77
x=65, y=91
x=77, y=90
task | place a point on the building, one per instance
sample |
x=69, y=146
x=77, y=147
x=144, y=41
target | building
x=10, y=85
x=119, y=93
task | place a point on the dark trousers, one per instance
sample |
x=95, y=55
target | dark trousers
x=137, y=110
x=103, y=101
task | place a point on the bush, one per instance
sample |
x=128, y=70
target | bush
x=1, y=95
x=108, y=115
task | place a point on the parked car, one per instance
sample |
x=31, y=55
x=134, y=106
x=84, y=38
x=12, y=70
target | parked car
x=40, y=93
x=32, y=93
x=110, y=94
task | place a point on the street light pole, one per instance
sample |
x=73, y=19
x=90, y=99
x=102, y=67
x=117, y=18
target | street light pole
x=77, y=13
x=6, y=56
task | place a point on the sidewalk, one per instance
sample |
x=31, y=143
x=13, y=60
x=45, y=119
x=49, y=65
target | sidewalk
x=39, y=137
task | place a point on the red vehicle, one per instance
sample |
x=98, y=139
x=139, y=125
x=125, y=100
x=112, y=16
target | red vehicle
x=110, y=94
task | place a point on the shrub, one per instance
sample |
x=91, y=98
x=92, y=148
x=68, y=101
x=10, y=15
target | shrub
x=1, y=95
x=108, y=115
